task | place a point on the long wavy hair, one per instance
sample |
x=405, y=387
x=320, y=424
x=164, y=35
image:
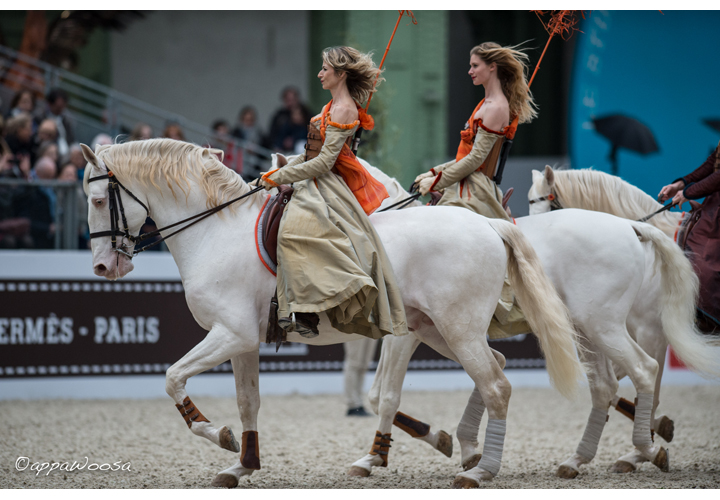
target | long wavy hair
x=360, y=68
x=512, y=72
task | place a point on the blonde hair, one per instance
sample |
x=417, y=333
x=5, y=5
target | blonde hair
x=360, y=69
x=512, y=73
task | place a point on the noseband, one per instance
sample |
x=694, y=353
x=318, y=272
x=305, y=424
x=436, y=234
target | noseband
x=552, y=198
x=117, y=211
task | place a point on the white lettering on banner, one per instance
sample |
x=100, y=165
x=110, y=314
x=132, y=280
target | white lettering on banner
x=50, y=330
x=127, y=330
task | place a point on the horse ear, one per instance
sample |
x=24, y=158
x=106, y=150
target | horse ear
x=536, y=175
x=549, y=175
x=89, y=155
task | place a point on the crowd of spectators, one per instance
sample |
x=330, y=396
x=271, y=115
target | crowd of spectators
x=38, y=142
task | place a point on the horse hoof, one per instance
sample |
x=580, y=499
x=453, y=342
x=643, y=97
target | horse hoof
x=622, y=467
x=472, y=462
x=445, y=444
x=662, y=460
x=225, y=481
x=666, y=429
x=356, y=471
x=567, y=472
x=463, y=483
x=228, y=441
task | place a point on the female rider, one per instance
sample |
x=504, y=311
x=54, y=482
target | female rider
x=330, y=258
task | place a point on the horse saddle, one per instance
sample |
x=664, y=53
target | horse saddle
x=270, y=223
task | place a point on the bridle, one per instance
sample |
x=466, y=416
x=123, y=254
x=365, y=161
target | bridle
x=552, y=198
x=117, y=212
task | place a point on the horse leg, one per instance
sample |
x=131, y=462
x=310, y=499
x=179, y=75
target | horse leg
x=246, y=368
x=642, y=370
x=477, y=359
x=394, y=358
x=603, y=385
x=469, y=426
x=217, y=347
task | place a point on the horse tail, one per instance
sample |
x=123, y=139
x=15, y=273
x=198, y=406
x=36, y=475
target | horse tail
x=680, y=288
x=544, y=311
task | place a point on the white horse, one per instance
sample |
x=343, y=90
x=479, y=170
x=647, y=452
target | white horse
x=449, y=264
x=598, y=267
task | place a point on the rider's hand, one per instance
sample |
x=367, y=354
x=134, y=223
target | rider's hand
x=260, y=182
x=670, y=190
x=425, y=184
x=679, y=199
x=423, y=176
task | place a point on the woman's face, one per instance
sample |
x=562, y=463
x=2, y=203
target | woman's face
x=68, y=173
x=329, y=78
x=145, y=132
x=25, y=103
x=480, y=71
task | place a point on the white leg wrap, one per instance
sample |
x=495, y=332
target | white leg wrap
x=470, y=422
x=641, y=429
x=493, y=447
x=596, y=423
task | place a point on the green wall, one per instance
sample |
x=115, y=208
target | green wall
x=410, y=106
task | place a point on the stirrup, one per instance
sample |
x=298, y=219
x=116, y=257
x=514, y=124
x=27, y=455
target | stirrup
x=292, y=325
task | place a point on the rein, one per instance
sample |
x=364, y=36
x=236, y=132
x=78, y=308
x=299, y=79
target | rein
x=115, y=204
x=648, y=217
x=406, y=201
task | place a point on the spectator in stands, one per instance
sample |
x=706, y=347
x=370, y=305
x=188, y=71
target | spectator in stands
x=19, y=135
x=47, y=133
x=279, y=127
x=14, y=230
x=247, y=127
x=77, y=159
x=100, y=140
x=23, y=102
x=38, y=205
x=57, y=100
x=49, y=149
x=141, y=131
x=294, y=132
x=173, y=131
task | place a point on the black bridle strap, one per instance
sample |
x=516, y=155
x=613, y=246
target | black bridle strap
x=114, y=192
x=648, y=217
x=552, y=198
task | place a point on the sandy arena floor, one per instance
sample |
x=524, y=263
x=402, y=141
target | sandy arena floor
x=307, y=442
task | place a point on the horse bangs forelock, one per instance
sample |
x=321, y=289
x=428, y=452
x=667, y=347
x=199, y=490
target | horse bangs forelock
x=176, y=162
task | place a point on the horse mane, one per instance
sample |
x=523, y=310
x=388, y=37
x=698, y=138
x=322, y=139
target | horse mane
x=153, y=160
x=592, y=190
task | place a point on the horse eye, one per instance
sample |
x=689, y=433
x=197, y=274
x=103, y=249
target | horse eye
x=98, y=202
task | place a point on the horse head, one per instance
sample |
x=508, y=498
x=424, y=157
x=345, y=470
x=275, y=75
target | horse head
x=542, y=194
x=113, y=214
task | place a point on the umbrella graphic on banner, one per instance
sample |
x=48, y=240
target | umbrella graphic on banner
x=625, y=132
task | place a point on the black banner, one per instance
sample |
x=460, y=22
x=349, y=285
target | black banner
x=83, y=328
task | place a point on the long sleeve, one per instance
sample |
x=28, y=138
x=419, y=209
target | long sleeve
x=323, y=163
x=439, y=168
x=703, y=181
x=453, y=173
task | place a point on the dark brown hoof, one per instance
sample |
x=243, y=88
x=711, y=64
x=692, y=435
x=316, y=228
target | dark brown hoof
x=225, y=481
x=445, y=444
x=356, y=471
x=472, y=462
x=666, y=429
x=463, y=483
x=566, y=472
x=228, y=441
x=622, y=467
x=662, y=460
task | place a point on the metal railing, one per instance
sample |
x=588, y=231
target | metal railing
x=66, y=220
x=100, y=109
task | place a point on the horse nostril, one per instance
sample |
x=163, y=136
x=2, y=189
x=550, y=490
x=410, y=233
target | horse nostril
x=100, y=269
